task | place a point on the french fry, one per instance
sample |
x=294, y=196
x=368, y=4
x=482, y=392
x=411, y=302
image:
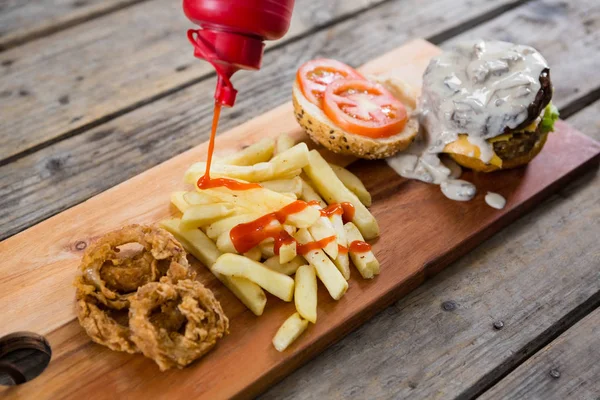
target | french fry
x=365, y=262
x=289, y=268
x=342, y=261
x=353, y=183
x=290, y=229
x=258, y=152
x=289, y=331
x=293, y=185
x=284, y=142
x=322, y=229
x=338, y=227
x=334, y=191
x=198, y=198
x=267, y=248
x=195, y=242
x=260, y=200
x=305, y=292
x=254, y=254
x=309, y=194
x=290, y=195
x=204, y=214
x=224, y=243
x=277, y=284
x=303, y=219
x=178, y=200
x=282, y=164
x=249, y=173
x=291, y=159
x=225, y=225
x=287, y=252
x=290, y=174
x=326, y=271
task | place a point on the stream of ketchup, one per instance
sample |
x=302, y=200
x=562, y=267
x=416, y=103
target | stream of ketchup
x=248, y=235
x=205, y=182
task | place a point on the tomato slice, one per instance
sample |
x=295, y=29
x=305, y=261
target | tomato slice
x=364, y=108
x=314, y=77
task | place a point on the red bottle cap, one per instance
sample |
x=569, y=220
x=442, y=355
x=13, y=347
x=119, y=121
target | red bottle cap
x=227, y=52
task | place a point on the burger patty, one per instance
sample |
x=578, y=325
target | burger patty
x=520, y=143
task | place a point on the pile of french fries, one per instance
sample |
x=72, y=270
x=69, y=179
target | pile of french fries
x=286, y=172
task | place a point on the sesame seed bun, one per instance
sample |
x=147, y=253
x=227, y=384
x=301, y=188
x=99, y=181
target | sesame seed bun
x=324, y=132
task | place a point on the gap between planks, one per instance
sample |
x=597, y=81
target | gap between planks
x=568, y=368
x=113, y=115
x=13, y=39
x=531, y=349
x=579, y=104
x=436, y=39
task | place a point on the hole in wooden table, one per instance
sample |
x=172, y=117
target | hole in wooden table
x=23, y=356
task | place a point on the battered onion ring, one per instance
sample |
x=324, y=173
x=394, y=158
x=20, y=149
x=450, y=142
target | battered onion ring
x=176, y=342
x=107, y=280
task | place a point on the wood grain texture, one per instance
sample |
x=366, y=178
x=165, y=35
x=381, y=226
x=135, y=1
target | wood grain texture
x=21, y=21
x=97, y=70
x=587, y=120
x=136, y=141
x=537, y=276
x=449, y=230
x=568, y=368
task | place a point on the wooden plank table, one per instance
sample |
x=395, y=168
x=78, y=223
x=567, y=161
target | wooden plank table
x=90, y=96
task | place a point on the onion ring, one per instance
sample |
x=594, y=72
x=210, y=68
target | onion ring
x=107, y=280
x=176, y=323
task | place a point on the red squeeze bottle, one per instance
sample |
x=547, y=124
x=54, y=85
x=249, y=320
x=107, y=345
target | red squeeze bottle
x=231, y=35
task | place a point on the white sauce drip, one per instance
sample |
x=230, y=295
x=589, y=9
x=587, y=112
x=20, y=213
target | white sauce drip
x=415, y=163
x=486, y=151
x=495, y=200
x=477, y=88
x=459, y=190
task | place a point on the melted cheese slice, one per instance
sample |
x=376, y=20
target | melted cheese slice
x=464, y=147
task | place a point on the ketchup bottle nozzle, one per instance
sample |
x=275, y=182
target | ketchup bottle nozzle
x=204, y=43
x=225, y=93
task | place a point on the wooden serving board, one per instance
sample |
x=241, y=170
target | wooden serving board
x=421, y=233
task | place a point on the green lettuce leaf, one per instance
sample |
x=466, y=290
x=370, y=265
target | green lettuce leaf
x=550, y=116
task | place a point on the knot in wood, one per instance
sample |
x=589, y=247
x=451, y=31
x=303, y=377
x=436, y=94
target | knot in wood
x=449, y=305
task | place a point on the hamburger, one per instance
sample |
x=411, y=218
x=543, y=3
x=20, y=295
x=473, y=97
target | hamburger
x=487, y=104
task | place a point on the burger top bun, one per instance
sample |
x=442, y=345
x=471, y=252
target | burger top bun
x=323, y=131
